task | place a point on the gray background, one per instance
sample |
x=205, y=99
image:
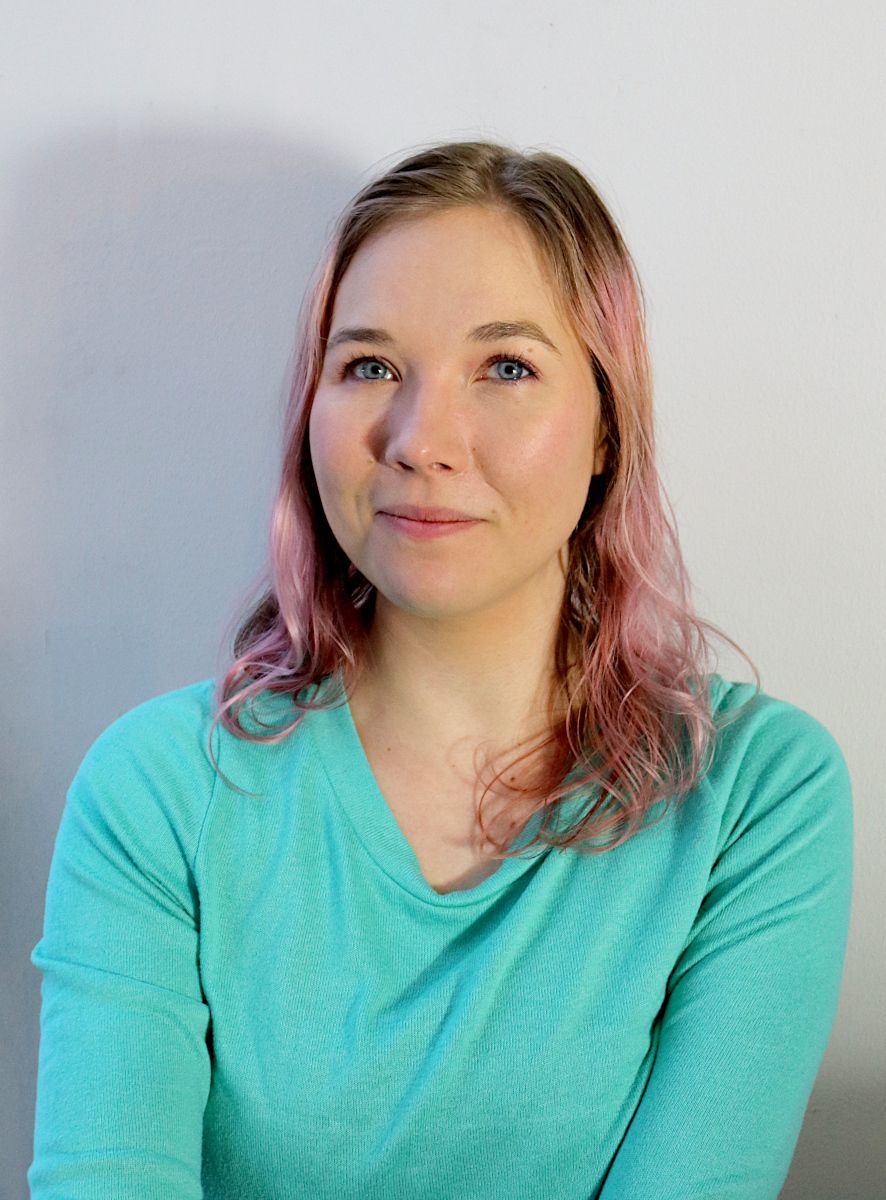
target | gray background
x=168, y=173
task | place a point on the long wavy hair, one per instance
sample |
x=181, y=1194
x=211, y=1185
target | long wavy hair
x=630, y=719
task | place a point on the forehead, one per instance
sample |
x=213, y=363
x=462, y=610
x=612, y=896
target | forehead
x=459, y=263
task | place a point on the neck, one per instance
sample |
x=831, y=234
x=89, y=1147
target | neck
x=437, y=683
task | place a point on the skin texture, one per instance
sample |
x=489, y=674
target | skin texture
x=462, y=644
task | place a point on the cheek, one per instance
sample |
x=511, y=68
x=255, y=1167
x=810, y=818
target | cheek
x=549, y=466
x=335, y=449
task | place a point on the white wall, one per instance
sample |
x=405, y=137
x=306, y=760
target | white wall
x=167, y=174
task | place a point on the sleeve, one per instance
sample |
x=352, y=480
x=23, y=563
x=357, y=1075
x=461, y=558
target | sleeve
x=123, y=1067
x=750, y=1004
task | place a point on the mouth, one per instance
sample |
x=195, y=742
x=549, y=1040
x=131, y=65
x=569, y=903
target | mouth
x=420, y=528
x=432, y=515
x=429, y=520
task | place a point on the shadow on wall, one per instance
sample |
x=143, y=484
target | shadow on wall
x=153, y=282
x=841, y=1152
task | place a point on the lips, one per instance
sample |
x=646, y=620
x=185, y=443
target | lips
x=416, y=512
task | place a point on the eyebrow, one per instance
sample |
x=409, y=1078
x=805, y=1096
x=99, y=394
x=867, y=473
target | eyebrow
x=493, y=331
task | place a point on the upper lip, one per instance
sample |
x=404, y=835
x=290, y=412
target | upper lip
x=418, y=513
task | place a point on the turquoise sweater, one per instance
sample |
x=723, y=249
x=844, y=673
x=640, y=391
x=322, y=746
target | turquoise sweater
x=261, y=998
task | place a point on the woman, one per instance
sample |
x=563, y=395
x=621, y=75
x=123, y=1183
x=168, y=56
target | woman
x=286, y=952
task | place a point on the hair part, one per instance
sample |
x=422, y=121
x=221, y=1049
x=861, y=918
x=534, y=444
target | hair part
x=629, y=714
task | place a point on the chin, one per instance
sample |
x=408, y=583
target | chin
x=430, y=604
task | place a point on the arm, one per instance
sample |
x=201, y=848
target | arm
x=123, y=1070
x=751, y=1001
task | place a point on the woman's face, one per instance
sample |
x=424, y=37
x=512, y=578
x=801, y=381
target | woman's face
x=426, y=418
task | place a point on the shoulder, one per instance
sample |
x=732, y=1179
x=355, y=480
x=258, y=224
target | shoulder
x=172, y=725
x=149, y=770
x=121, y=893
x=755, y=724
x=772, y=756
x=162, y=746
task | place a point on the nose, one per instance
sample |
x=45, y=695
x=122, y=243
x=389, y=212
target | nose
x=424, y=426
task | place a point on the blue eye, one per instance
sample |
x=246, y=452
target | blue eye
x=345, y=370
x=356, y=362
x=513, y=358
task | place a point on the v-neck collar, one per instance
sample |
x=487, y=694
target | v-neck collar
x=341, y=751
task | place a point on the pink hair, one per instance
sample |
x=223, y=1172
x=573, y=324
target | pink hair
x=631, y=657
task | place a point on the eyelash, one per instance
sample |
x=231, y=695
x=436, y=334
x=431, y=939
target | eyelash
x=345, y=368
